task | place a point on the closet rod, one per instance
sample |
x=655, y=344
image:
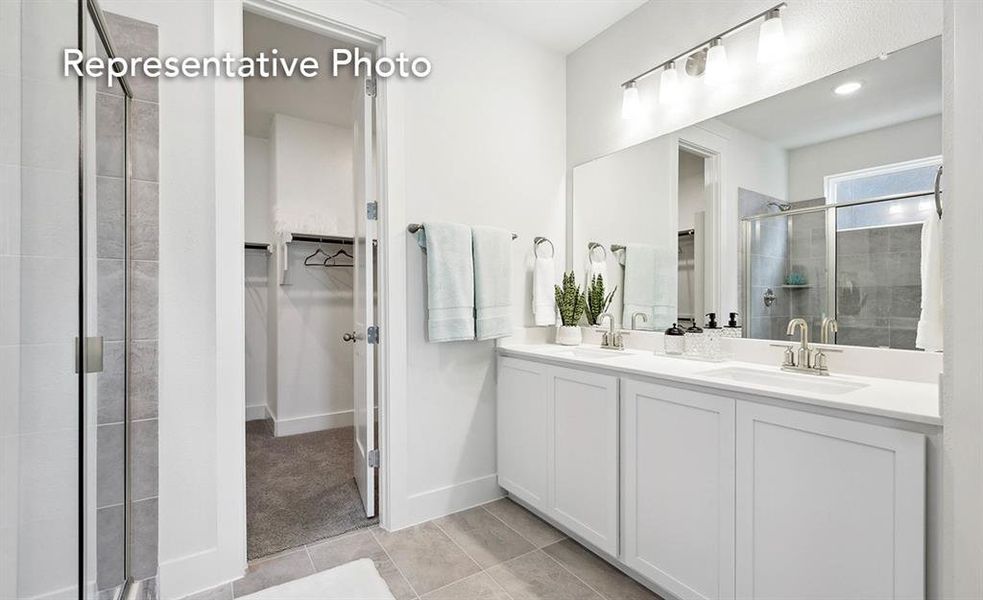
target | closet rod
x=414, y=227
x=322, y=239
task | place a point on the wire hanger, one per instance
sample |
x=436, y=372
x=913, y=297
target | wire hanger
x=334, y=256
x=308, y=263
x=341, y=252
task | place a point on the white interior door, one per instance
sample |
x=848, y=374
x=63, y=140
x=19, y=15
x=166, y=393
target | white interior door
x=365, y=234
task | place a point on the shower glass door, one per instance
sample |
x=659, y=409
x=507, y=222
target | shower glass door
x=786, y=267
x=40, y=311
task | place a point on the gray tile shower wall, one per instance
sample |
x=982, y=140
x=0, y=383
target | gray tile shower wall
x=807, y=256
x=769, y=254
x=135, y=38
x=878, y=286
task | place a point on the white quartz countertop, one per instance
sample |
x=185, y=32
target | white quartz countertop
x=895, y=399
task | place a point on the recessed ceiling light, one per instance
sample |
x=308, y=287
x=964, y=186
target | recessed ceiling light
x=845, y=89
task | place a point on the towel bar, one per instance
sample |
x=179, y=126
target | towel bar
x=414, y=227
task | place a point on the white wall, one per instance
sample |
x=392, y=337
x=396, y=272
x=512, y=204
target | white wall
x=906, y=141
x=314, y=381
x=827, y=37
x=312, y=177
x=257, y=190
x=484, y=146
x=962, y=412
x=311, y=192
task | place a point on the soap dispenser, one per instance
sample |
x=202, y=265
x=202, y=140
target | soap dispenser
x=732, y=329
x=695, y=340
x=712, y=333
x=673, y=340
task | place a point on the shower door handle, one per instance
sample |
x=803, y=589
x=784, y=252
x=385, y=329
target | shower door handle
x=349, y=337
x=92, y=349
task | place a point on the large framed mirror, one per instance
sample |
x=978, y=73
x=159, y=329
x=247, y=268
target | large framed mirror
x=811, y=203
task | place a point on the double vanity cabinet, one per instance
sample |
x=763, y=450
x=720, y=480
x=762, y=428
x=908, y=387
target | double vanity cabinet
x=708, y=491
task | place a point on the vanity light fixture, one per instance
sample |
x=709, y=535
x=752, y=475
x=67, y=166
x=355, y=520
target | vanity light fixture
x=669, y=84
x=718, y=69
x=630, y=104
x=707, y=58
x=845, y=89
x=771, y=37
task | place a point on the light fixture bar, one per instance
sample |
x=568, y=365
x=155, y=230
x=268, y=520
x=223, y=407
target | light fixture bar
x=706, y=43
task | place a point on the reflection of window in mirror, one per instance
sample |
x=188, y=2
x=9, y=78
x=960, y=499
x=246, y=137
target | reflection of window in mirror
x=878, y=251
x=691, y=202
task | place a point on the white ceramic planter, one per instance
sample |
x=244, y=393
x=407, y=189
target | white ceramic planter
x=569, y=335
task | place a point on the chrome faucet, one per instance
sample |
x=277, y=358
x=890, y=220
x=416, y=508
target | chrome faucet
x=808, y=359
x=612, y=338
x=829, y=326
x=805, y=352
x=634, y=316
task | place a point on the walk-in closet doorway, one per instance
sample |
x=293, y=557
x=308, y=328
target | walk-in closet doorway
x=312, y=185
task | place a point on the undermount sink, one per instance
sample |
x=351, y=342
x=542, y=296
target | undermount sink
x=589, y=352
x=791, y=381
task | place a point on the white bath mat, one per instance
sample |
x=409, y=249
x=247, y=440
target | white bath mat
x=357, y=580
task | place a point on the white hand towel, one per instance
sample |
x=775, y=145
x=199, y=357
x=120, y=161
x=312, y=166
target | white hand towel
x=450, y=281
x=492, y=282
x=543, y=298
x=929, y=335
x=597, y=264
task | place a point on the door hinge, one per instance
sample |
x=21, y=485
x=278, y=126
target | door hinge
x=372, y=335
x=373, y=459
x=372, y=211
x=92, y=348
x=370, y=87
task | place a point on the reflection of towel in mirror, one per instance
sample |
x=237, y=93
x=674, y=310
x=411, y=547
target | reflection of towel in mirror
x=450, y=281
x=492, y=282
x=929, y=335
x=650, y=284
x=597, y=264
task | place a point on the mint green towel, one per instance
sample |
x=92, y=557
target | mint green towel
x=492, y=282
x=450, y=281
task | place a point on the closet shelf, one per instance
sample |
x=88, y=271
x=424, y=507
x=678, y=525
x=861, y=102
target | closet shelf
x=284, y=238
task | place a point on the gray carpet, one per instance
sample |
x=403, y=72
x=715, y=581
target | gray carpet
x=299, y=488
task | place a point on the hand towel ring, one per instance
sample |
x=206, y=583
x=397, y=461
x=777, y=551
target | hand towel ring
x=591, y=246
x=539, y=240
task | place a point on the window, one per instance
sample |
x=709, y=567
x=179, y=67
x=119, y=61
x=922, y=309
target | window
x=887, y=180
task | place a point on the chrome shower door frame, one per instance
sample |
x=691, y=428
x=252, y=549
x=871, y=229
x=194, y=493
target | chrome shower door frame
x=90, y=9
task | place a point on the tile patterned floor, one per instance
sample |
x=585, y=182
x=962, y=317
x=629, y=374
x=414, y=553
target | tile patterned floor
x=498, y=551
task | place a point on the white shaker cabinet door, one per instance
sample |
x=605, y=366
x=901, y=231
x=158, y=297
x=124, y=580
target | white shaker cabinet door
x=583, y=441
x=678, y=488
x=827, y=508
x=522, y=430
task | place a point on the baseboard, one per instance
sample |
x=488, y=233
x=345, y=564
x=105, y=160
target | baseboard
x=343, y=418
x=257, y=413
x=440, y=502
x=198, y=572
